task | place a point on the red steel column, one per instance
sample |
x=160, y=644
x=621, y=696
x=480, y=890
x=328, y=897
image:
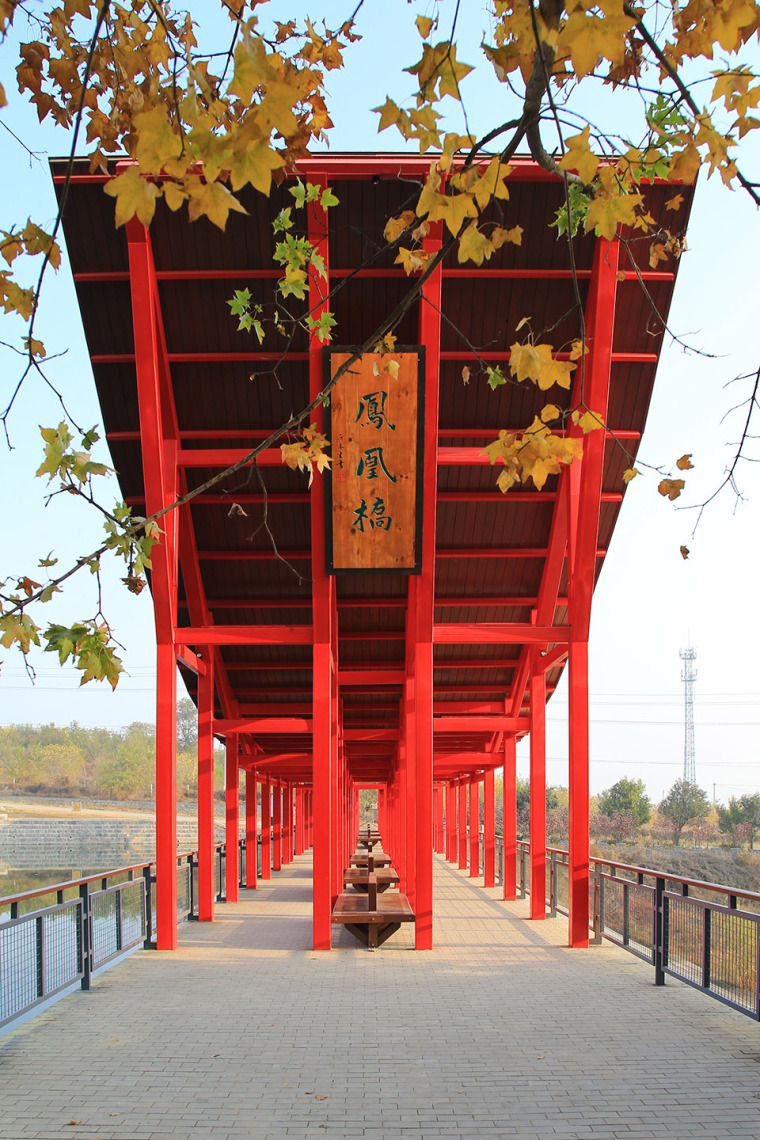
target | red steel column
x=251, y=831
x=474, y=828
x=579, y=793
x=438, y=803
x=403, y=749
x=489, y=829
x=160, y=489
x=410, y=770
x=451, y=822
x=232, y=830
x=166, y=797
x=584, y=526
x=266, y=829
x=463, y=826
x=277, y=825
x=537, y=790
x=509, y=826
x=299, y=821
x=324, y=663
x=430, y=337
x=206, y=861
x=287, y=823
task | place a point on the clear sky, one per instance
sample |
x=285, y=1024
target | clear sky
x=649, y=602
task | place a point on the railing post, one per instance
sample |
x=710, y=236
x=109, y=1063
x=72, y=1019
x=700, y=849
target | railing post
x=552, y=884
x=84, y=894
x=626, y=914
x=147, y=879
x=117, y=915
x=706, y=933
x=40, y=938
x=660, y=954
x=598, y=904
x=191, y=864
x=242, y=861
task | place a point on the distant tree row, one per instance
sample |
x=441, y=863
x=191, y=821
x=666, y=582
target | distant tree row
x=97, y=762
x=622, y=812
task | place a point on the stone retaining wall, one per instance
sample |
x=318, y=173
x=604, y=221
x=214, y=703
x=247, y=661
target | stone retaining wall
x=87, y=843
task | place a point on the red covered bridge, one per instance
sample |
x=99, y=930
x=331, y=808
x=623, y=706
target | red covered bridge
x=321, y=684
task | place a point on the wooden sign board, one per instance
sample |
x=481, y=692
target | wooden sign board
x=375, y=423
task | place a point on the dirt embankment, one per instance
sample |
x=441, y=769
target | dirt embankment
x=740, y=869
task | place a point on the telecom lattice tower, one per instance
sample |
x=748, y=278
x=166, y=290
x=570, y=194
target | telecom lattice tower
x=688, y=676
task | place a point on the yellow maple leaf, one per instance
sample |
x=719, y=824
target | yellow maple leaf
x=255, y=165
x=674, y=203
x=134, y=195
x=156, y=142
x=252, y=68
x=605, y=213
x=390, y=114
x=657, y=253
x=474, y=245
x=395, y=226
x=453, y=210
x=630, y=473
x=276, y=109
x=587, y=422
x=499, y=236
x=174, y=195
x=550, y=412
x=213, y=201
x=684, y=552
x=536, y=363
x=491, y=183
x=685, y=164
x=685, y=463
x=671, y=488
x=413, y=260
x=579, y=156
x=424, y=25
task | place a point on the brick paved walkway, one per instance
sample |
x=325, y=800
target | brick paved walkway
x=500, y=1032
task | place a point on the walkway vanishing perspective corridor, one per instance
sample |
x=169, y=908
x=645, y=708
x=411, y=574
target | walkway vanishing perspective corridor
x=500, y=1031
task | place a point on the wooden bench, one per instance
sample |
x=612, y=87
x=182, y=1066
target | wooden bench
x=369, y=839
x=361, y=858
x=374, y=917
x=358, y=877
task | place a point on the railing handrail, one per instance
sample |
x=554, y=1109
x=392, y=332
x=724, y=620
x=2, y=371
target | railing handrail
x=671, y=876
x=8, y=900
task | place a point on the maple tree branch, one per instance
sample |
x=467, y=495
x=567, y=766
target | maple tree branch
x=631, y=11
x=753, y=402
x=32, y=362
x=626, y=243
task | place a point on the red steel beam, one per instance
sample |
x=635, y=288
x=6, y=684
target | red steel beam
x=246, y=635
x=254, y=357
x=222, y=457
x=509, y=600
x=494, y=633
x=363, y=166
x=103, y=276
x=442, y=552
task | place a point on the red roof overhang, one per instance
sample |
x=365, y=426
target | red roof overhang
x=500, y=560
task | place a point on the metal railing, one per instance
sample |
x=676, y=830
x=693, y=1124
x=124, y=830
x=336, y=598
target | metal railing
x=46, y=947
x=704, y=934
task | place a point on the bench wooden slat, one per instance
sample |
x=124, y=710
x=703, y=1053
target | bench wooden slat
x=351, y=907
x=361, y=857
